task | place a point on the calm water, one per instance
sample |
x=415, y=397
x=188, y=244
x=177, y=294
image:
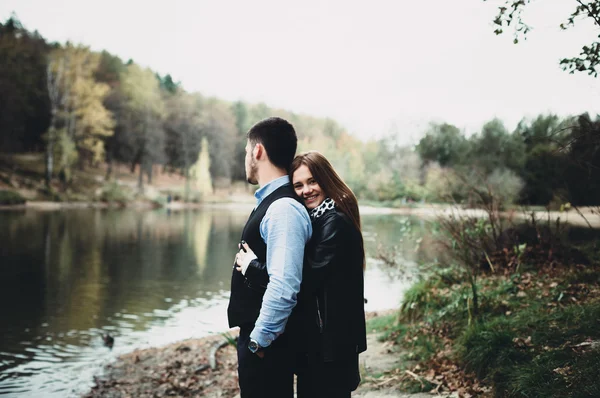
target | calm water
x=146, y=277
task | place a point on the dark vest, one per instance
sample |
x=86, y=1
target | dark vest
x=246, y=299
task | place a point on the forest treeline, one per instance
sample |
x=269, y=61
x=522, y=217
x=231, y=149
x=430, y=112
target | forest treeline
x=84, y=108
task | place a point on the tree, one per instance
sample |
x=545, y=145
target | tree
x=240, y=113
x=511, y=12
x=168, y=84
x=443, y=185
x=24, y=103
x=183, y=131
x=543, y=175
x=58, y=97
x=81, y=112
x=443, y=143
x=109, y=71
x=349, y=163
x=494, y=148
x=543, y=170
x=219, y=127
x=143, y=113
x=583, y=167
x=332, y=129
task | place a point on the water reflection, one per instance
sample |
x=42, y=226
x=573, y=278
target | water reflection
x=148, y=278
x=68, y=276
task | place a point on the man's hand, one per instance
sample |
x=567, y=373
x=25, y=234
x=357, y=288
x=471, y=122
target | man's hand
x=255, y=348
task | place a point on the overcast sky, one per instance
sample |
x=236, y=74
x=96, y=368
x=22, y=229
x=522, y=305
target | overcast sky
x=376, y=67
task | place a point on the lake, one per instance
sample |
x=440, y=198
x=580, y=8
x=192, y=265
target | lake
x=148, y=278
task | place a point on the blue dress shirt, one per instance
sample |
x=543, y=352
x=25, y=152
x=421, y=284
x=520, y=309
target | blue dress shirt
x=285, y=228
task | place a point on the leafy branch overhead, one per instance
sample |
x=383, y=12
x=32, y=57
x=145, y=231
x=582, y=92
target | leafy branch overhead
x=510, y=16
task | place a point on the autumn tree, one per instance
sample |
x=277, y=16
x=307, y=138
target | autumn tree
x=80, y=122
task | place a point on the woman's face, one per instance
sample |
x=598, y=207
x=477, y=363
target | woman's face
x=307, y=188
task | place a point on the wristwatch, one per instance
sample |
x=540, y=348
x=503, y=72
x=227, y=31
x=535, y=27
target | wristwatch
x=253, y=346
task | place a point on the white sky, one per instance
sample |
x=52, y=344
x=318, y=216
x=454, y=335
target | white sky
x=376, y=67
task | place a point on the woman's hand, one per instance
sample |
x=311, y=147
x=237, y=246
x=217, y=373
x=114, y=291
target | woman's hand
x=243, y=257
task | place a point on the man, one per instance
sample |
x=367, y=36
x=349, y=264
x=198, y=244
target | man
x=276, y=231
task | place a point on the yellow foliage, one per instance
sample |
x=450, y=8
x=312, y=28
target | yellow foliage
x=142, y=90
x=81, y=106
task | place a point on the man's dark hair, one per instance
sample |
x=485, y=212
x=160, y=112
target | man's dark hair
x=278, y=137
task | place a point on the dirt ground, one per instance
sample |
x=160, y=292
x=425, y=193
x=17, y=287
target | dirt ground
x=183, y=370
x=176, y=370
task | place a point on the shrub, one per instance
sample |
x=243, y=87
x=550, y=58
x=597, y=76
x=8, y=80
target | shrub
x=506, y=185
x=113, y=192
x=11, y=198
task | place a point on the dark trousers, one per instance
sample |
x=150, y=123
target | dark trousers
x=268, y=377
x=329, y=379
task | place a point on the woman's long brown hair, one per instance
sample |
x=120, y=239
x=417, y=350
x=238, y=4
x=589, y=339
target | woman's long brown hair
x=332, y=185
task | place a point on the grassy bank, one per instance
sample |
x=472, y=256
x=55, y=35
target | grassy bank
x=536, y=333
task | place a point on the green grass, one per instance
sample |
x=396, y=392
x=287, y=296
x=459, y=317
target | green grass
x=525, y=340
x=421, y=346
x=229, y=338
x=522, y=356
x=591, y=249
x=381, y=323
x=440, y=298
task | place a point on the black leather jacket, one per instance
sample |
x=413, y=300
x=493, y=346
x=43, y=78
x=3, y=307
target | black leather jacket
x=328, y=322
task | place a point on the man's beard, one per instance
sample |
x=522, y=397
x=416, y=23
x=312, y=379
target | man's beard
x=251, y=175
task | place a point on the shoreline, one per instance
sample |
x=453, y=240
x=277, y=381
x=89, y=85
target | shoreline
x=572, y=217
x=184, y=368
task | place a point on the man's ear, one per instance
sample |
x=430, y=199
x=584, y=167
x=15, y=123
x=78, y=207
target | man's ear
x=259, y=151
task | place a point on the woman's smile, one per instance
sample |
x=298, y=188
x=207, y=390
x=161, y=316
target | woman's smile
x=307, y=188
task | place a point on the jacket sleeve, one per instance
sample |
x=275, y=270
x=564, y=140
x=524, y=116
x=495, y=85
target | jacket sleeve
x=325, y=251
x=257, y=274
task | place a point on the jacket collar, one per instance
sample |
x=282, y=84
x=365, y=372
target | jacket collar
x=318, y=211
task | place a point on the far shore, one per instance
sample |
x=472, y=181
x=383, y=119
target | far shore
x=585, y=217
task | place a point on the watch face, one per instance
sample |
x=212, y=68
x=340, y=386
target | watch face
x=253, y=346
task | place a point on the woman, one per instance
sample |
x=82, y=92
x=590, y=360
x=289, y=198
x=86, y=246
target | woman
x=329, y=320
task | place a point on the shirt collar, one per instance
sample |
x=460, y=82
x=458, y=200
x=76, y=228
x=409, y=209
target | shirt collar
x=267, y=189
